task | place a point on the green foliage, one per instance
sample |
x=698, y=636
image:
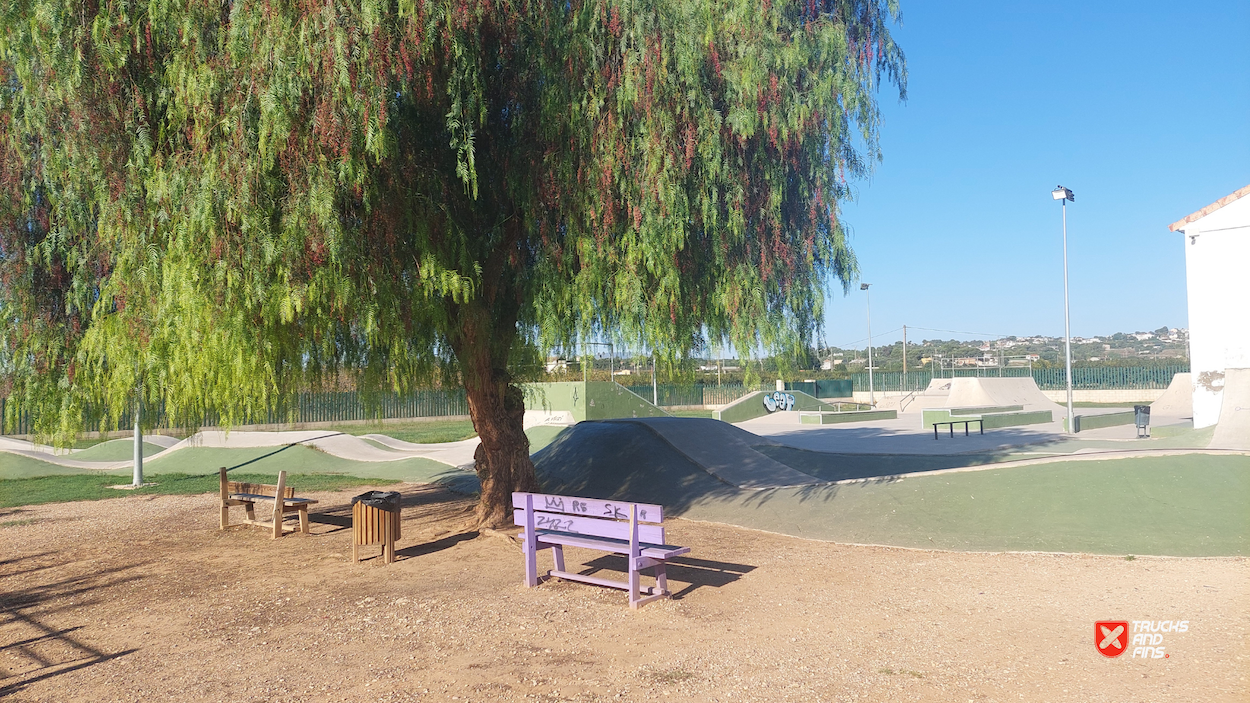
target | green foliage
x=215, y=203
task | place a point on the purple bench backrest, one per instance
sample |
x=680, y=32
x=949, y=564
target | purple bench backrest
x=590, y=507
x=588, y=516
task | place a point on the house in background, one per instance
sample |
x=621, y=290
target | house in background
x=1217, y=274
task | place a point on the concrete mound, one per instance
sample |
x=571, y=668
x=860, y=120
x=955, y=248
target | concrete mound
x=725, y=451
x=1233, y=429
x=625, y=461
x=719, y=449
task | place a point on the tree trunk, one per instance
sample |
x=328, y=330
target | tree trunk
x=482, y=345
x=503, y=458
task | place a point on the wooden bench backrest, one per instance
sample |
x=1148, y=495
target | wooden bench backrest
x=589, y=516
x=256, y=489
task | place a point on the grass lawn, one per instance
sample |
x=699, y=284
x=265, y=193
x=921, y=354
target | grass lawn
x=690, y=413
x=60, y=489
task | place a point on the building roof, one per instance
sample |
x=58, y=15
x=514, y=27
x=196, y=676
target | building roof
x=1180, y=224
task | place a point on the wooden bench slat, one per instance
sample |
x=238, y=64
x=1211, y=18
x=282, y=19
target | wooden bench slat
x=590, y=507
x=605, y=544
x=258, y=489
x=590, y=526
x=254, y=496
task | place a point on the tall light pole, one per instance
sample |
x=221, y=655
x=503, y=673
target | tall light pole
x=872, y=400
x=1063, y=195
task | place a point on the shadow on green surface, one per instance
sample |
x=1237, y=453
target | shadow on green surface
x=1190, y=505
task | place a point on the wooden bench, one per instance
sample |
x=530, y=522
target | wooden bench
x=554, y=522
x=247, y=494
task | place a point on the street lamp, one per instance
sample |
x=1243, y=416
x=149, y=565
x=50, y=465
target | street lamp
x=872, y=400
x=1063, y=195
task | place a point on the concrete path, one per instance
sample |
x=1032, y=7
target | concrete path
x=904, y=435
x=725, y=451
x=336, y=444
x=908, y=435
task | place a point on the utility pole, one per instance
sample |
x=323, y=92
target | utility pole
x=871, y=397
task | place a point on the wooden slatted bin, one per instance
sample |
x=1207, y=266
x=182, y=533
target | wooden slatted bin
x=375, y=520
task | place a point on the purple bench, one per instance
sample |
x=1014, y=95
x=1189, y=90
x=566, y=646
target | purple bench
x=633, y=529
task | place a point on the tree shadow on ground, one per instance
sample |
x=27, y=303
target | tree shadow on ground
x=697, y=573
x=438, y=545
x=430, y=503
x=45, y=650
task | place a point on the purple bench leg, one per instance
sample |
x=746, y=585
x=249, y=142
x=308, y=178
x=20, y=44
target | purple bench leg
x=531, y=544
x=634, y=585
x=557, y=552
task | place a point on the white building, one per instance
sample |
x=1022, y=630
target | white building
x=1217, y=261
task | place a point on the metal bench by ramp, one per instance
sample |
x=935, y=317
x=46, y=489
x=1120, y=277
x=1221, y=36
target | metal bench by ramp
x=633, y=529
x=955, y=421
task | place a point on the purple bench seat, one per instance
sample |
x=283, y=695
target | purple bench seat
x=554, y=522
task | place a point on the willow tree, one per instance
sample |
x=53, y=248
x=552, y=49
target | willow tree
x=216, y=202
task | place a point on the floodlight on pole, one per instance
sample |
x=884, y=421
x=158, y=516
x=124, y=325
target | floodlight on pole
x=1065, y=196
x=872, y=399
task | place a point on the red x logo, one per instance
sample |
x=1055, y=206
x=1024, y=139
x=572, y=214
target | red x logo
x=1111, y=637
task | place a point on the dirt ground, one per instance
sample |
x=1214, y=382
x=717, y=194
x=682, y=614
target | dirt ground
x=144, y=599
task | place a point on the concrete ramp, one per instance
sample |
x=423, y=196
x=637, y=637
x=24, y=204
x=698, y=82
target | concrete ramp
x=935, y=395
x=1177, y=401
x=1233, y=429
x=974, y=392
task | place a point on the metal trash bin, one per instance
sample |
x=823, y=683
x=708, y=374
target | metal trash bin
x=375, y=520
x=1141, y=418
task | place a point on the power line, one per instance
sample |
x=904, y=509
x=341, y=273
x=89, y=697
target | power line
x=984, y=334
x=989, y=335
x=865, y=339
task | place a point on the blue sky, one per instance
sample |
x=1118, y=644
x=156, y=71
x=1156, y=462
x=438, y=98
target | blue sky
x=1142, y=109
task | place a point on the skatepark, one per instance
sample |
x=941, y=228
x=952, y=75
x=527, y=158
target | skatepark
x=891, y=479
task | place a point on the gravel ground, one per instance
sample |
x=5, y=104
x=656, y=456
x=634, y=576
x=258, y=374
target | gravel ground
x=143, y=598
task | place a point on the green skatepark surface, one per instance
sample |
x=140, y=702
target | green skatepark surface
x=1194, y=505
x=1190, y=505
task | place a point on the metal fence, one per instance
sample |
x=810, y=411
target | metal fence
x=308, y=407
x=674, y=395
x=351, y=405
x=1083, y=377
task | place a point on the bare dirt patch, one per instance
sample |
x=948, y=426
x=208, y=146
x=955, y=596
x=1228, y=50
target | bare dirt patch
x=143, y=598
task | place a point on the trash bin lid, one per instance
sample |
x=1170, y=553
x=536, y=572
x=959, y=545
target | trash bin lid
x=377, y=499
